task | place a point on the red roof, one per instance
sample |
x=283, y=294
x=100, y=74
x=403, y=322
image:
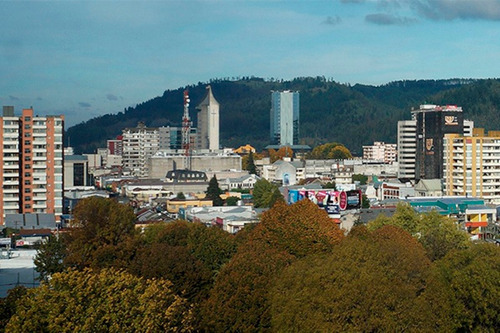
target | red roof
x=476, y=224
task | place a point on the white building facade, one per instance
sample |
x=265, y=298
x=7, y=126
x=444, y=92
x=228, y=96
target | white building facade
x=139, y=144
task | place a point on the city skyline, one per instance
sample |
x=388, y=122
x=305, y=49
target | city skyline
x=86, y=59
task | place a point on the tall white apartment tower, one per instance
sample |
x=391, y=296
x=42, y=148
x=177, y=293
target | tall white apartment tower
x=208, y=122
x=285, y=118
x=407, y=149
x=31, y=164
x=139, y=144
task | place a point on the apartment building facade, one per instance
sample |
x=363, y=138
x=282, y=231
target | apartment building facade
x=381, y=151
x=31, y=165
x=139, y=144
x=472, y=165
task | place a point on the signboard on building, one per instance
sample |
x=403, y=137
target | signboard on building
x=328, y=199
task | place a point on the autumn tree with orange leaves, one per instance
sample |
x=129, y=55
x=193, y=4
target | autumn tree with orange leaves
x=370, y=282
x=240, y=300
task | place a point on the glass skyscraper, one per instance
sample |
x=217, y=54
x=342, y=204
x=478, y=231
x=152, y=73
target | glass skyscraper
x=285, y=118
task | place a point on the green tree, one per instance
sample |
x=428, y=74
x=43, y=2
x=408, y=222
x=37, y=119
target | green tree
x=252, y=169
x=105, y=301
x=438, y=234
x=8, y=305
x=284, y=234
x=331, y=185
x=98, y=232
x=266, y=194
x=362, y=179
x=232, y=201
x=214, y=192
x=50, y=256
x=468, y=280
x=188, y=254
x=365, y=202
x=181, y=196
x=369, y=282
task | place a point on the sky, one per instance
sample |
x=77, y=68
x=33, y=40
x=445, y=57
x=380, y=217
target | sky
x=88, y=58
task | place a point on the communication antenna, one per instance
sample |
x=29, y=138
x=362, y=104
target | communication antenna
x=186, y=130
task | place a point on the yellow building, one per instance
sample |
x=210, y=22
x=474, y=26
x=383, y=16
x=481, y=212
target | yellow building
x=173, y=205
x=472, y=165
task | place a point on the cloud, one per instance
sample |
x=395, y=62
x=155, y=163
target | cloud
x=332, y=20
x=388, y=19
x=452, y=9
x=447, y=10
x=111, y=97
x=13, y=98
x=84, y=105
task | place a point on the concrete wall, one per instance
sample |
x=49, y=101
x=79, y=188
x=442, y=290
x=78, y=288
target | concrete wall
x=160, y=165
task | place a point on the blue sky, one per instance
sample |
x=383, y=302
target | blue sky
x=85, y=59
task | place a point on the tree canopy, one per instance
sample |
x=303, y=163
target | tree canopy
x=328, y=151
x=239, y=300
x=99, y=229
x=438, y=234
x=265, y=194
x=105, y=301
x=369, y=282
x=465, y=284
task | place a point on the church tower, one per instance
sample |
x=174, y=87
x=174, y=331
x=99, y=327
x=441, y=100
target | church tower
x=208, y=122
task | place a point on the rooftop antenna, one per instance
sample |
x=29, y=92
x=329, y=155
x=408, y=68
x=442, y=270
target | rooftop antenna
x=186, y=130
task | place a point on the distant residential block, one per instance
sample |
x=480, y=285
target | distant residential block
x=380, y=151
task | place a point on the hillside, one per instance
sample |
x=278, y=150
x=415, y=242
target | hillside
x=329, y=111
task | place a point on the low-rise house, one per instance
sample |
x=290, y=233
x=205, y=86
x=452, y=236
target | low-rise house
x=429, y=188
x=245, y=182
x=229, y=218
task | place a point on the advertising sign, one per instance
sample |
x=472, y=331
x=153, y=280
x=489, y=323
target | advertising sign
x=354, y=199
x=330, y=200
x=343, y=200
x=332, y=210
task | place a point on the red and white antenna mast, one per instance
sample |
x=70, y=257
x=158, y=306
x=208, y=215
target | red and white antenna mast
x=186, y=130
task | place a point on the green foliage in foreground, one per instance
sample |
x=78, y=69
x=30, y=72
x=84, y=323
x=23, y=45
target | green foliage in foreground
x=107, y=301
x=294, y=271
x=438, y=234
x=266, y=194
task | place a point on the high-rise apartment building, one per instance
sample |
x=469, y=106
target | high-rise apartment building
x=139, y=144
x=285, y=118
x=472, y=165
x=31, y=164
x=420, y=140
x=208, y=122
x=407, y=149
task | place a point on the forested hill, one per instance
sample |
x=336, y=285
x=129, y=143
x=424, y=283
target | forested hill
x=329, y=111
